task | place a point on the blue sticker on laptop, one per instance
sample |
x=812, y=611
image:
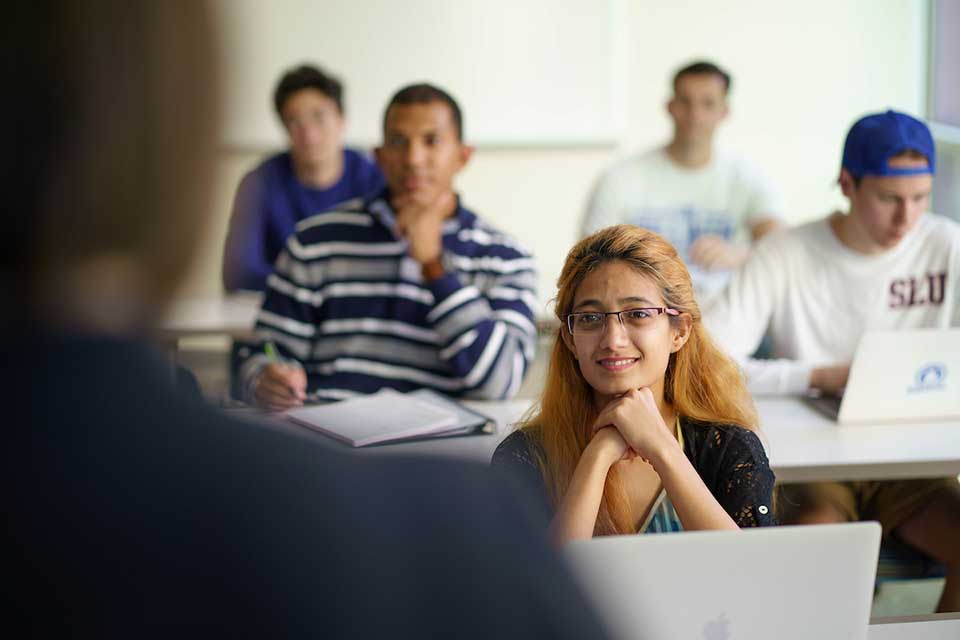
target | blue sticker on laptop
x=929, y=377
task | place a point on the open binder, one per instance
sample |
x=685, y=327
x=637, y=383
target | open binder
x=389, y=416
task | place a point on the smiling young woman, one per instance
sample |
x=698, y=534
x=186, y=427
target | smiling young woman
x=644, y=425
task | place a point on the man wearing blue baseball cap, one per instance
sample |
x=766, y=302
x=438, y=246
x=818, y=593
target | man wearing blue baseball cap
x=884, y=264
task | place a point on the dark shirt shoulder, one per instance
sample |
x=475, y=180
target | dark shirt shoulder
x=138, y=513
x=364, y=175
x=519, y=456
x=732, y=463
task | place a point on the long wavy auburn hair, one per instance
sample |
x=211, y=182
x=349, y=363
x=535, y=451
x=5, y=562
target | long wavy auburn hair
x=701, y=382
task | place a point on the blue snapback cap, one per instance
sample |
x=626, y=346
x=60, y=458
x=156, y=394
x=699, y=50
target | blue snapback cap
x=874, y=139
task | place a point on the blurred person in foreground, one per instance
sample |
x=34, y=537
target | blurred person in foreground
x=131, y=512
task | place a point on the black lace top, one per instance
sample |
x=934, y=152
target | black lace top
x=730, y=460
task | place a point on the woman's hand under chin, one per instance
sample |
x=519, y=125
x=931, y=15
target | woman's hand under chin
x=609, y=447
x=637, y=419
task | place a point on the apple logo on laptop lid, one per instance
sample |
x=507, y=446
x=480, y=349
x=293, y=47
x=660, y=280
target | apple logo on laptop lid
x=717, y=629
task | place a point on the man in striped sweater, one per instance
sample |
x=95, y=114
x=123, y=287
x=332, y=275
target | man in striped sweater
x=409, y=289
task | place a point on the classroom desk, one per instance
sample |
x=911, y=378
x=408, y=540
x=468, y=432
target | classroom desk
x=938, y=626
x=805, y=446
x=232, y=314
x=802, y=445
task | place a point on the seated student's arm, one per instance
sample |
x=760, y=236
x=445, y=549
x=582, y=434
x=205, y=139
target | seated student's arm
x=487, y=336
x=739, y=473
x=280, y=386
x=738, y=318
x=764, y=225
x=245, y=263
x=288, y=320
x=636, y=417
x=518, y=456
x=831, y=379
x=576, y=515
x=714, y=253
x=762, y=216
x=697, y=508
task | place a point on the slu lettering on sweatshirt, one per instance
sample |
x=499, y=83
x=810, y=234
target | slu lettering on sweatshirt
x=914, y=292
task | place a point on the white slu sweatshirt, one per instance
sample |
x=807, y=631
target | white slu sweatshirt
x=817, y=297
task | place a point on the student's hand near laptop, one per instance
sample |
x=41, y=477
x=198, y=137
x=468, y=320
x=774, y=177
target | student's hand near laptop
x=830, y=380
x=281, y=386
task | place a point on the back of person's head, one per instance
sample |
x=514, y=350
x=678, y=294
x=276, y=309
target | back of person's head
x=424, y=94
x=700, y=382
x=703, y=68
x=307, y=77
x=109, y=170
x=876, y=139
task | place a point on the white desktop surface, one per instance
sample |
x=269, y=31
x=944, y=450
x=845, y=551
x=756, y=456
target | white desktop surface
x=232, y=314
x=802, y=445
x=938, y=626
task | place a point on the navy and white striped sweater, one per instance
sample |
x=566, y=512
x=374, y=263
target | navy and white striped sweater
x=348, y=302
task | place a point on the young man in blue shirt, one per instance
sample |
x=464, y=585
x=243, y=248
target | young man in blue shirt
x=317, y=173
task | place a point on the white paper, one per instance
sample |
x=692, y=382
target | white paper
x=382, y=417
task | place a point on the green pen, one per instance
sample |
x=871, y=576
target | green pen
x=273, y=356
x=271, y=350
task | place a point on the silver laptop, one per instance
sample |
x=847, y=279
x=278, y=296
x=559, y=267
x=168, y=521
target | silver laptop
x=900, y=376
x=777, y=582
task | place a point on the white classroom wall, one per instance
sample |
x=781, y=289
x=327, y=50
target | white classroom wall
x=802, y=72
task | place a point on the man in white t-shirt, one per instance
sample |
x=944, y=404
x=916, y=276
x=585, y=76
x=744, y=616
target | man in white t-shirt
x=814, y=289
x=709, y=203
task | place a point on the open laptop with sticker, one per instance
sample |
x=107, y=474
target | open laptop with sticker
x=794, y=582
x=900, y=376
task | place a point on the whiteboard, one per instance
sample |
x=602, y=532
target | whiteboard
x=945, y=64
x=525, y=72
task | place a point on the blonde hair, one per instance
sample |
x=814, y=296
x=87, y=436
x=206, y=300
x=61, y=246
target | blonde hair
x=700, y=382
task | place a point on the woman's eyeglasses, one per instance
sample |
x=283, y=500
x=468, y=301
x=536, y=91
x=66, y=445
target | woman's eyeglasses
x=630, y=319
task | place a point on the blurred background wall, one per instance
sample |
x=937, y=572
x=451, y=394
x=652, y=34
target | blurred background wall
x=802, y=73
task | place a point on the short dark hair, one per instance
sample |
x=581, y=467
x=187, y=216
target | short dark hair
x=702, y=67
x=307, y=77
x=422, y=94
